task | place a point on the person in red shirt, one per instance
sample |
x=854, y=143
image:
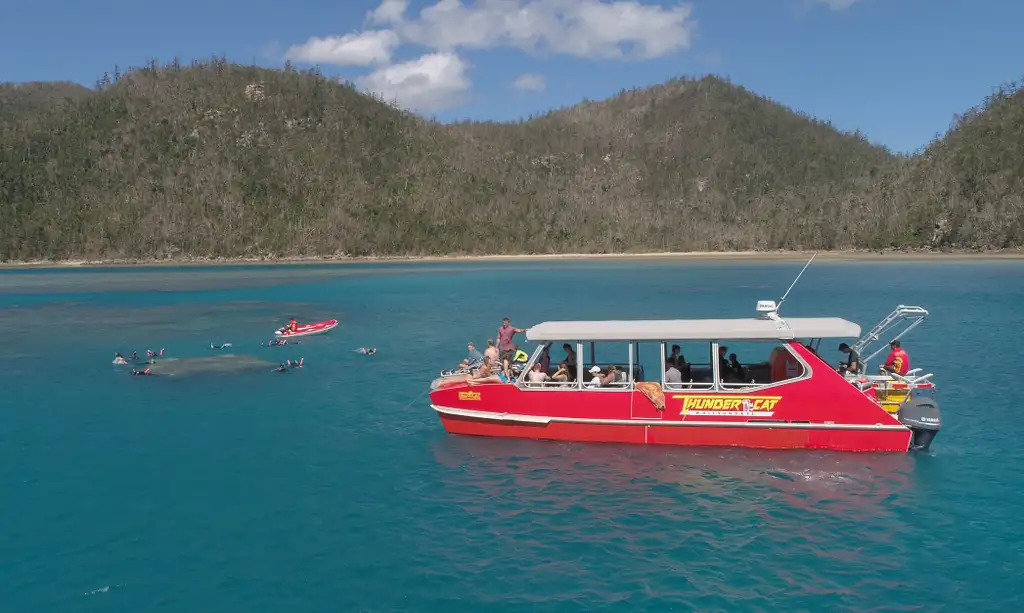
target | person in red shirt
x=898, y=360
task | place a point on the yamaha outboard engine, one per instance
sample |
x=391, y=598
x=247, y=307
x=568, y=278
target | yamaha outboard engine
x=921, y=415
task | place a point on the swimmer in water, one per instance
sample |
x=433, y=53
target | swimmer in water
x=224, y=346
x=135, y=356
x=281, y=368
x=119, y=359
x=280, y=341
x=365, y=351
x=139, y=373
x=152, y=354
x=296, y=363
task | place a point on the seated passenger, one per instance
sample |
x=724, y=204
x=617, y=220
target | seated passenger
x=561, y=375
x=725, y=369
x=898, y=361
x=474, y=359
x=483, y=375
x=537, y=375
x=672, y=374
x=519, y=356
x=852, y=364
x=737, y=368
x=610, y=376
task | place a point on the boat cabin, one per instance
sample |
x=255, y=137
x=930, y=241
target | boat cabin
x=726, y=355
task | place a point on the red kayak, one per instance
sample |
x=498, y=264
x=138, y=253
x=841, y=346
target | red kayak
x=307, y=329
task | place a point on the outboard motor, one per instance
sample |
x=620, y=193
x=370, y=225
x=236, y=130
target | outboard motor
x=921, y=415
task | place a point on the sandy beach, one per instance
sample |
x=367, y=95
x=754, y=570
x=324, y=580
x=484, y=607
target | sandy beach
x=861, y=256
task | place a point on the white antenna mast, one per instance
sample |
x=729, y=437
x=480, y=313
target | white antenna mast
x=769, y=308
x=783, y=299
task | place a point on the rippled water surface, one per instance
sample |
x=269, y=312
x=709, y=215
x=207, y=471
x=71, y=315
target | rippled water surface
x=334, y=487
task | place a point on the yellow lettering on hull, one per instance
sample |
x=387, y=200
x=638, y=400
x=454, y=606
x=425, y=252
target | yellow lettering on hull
x=469, y=395
x=725, y=404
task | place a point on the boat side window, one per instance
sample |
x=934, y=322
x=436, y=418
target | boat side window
x=748, y=365
x=552, y=367
x=692, y=361
x=607, y=365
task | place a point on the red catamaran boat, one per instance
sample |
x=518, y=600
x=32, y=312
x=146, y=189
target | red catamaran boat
x=792, y=400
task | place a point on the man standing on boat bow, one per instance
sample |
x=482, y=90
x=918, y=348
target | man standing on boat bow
x=506, y=332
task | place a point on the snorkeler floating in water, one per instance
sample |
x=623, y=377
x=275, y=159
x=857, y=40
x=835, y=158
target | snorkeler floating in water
x=221, y=346
x=365, y=351
x=280, y=341
x=284, y=366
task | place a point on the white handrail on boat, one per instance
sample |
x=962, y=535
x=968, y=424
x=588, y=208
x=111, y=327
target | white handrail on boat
x=912, y=316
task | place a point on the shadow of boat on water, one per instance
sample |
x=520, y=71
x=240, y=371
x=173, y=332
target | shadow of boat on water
x=834, y=484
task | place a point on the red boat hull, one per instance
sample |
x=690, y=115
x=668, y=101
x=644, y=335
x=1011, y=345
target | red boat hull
x=822, y=411
x=895, y=440
x=308, y=329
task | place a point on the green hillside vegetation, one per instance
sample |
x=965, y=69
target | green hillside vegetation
x=221, y=160
x=19, y=100
x=965, y=190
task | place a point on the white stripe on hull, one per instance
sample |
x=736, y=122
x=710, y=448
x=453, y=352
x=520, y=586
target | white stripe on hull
x=534, y=419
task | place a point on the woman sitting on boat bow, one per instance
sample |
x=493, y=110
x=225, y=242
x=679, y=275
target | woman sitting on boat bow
x=483, y=375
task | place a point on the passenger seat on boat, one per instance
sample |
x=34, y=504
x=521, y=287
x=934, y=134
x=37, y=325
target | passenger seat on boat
x=784, y=365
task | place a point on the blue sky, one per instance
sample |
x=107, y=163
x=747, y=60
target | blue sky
x=896, y=69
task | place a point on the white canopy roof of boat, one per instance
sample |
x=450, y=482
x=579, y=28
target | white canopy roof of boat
x=695, y=329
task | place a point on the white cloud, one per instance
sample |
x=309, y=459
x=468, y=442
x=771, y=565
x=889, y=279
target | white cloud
x=583, y=28
x=529, y=82
x=835, y=5
x=433, y=82
x=593, y=29
x=389, y=11
x=361, y=49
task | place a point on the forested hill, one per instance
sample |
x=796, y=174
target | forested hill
x=222, y=160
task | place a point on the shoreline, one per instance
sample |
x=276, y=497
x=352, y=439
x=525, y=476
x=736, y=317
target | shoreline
x=753, y=256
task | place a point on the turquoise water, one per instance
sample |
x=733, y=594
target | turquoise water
x=335, y=488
